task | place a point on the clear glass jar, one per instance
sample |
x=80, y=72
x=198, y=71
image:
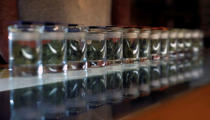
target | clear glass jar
x=180, y=43
x=201, y=36
x=53, y=48
x=114, y=43
x=164, y=45
x=188, y=43
x=155, y=43
x=195, y=42
x=173, y=44
x=130, y=45
x=96, y=46
x=24, y=49
x=76, y=47
x=144, y=44
x=114, y=64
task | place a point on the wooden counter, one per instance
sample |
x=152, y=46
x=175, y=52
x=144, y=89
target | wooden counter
x=190, y=105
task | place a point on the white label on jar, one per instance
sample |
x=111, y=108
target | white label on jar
x=187, y=35
x=98, y=36
x=164, y=81
x=75, y=35
x=180, y=34
x=195, y=34
x=164, y=35
x=26, y=36
x=52, y=36
x=145, y=35
x=131, y=35
x=173, y=35
x=155, y=36
x=113, y=35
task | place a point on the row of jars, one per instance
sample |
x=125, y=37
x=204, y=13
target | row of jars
x=52, y=48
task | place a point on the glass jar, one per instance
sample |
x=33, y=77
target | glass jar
x=173, y=44
x=195, y=42
x=180, y=43
x=164, y=43
x=96, y=61
x=24, y=49
x=144, y=42
x=96, y=46
x=114, y=45
x=188, y=43
x=53, y=48
x=155, y=43
x=76, y=47
x=201, y=36
x=130, y=45
x=114, y=64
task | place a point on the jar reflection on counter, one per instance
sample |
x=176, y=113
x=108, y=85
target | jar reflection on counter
x=131, y=80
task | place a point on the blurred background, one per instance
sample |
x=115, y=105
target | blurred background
x=192, y=14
